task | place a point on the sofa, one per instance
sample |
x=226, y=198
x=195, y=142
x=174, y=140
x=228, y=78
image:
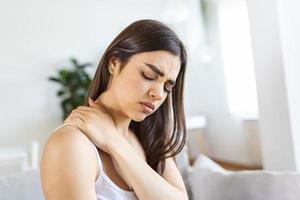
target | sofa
x=22, y=185
x=205, y=180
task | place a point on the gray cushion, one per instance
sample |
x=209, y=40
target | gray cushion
x=208, y=181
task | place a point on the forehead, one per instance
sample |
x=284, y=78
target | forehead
x=164, y=60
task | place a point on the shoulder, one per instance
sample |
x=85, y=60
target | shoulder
x=68, y=136
x=68, y=159
x=68, y=141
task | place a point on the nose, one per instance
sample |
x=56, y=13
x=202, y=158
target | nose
x=156, y=92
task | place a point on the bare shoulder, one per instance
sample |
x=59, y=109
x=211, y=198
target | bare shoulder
x=68, y=141
x=68, y=165
x=68, y=136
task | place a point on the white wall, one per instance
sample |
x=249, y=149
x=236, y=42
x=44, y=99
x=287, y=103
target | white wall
x=290, y=31
x=228, y=137
x=38, y=37
x=275, y=32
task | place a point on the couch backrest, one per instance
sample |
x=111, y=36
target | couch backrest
x=24, y=185
x=208, y=182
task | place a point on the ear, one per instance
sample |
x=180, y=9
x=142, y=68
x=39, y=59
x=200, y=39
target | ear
x=114, y=64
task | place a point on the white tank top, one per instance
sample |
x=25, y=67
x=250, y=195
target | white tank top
x=105, y=188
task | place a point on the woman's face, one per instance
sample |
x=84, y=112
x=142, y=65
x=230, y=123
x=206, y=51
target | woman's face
x=144, y=82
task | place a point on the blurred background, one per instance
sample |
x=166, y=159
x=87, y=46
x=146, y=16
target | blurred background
x=242, y=98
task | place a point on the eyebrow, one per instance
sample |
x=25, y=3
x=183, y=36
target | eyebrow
x=158, y=71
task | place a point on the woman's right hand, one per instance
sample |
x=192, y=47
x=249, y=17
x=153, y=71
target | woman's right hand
x=96, y=124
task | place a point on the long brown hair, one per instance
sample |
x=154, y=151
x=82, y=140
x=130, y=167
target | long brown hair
x=162, y=134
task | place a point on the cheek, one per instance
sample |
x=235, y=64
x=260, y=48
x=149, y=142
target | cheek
x=133, y=87
x=163, y=100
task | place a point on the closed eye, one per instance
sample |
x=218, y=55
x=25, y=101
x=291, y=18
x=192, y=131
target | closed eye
x=168, y=90
x=147, y=77
x=168, y=87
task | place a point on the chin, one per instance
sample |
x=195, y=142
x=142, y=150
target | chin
x=138, y=117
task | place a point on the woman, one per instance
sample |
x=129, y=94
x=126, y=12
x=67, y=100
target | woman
x=121, y=144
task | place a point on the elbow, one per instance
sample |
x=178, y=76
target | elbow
x=174, y=196
x=185, y=196
x=182, y=195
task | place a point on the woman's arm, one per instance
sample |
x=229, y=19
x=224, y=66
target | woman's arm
x=68, y=166
x=148, y=184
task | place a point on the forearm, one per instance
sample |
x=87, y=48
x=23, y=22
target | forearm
x=147, y=184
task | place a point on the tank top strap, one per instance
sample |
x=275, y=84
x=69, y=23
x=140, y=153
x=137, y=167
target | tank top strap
x=68, y=123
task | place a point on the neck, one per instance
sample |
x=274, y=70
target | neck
x=108, y=102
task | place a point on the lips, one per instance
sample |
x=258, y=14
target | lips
x=148, y=107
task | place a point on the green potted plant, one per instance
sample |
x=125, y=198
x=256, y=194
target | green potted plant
x=74, y=84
